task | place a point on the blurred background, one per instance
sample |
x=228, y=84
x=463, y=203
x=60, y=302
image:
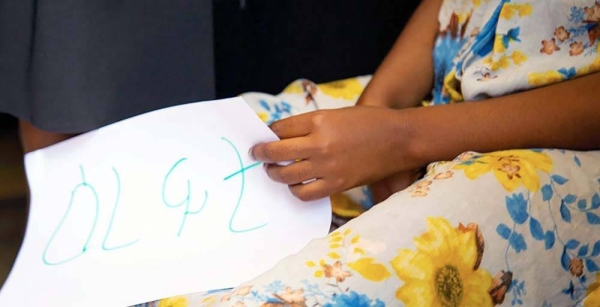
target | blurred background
x=259, y=45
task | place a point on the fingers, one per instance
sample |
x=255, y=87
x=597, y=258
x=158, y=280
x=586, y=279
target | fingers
x=295, y=173
x=302, y=179
x=311, y=191
x=284, y=150
x=294, y=126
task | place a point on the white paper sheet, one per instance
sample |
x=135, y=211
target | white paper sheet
x=161, y=204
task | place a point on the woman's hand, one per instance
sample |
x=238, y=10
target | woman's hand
x=336, y=149
x=384, y=188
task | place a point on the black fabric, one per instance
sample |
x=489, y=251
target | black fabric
x=263, y=45
x=76, y=65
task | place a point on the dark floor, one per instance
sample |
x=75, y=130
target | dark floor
x=13, y=189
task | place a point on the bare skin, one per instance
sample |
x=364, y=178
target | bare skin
x=395, y=85
x=389, y=139
x=33, y=138
x=405, y=76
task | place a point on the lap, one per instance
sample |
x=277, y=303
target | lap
x=517, y=227
x=513, y=226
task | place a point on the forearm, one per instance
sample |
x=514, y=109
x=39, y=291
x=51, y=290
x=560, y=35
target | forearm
x=565, y=115
x=405, y=76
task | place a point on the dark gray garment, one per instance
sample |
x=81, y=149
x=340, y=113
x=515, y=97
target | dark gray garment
x=76, y=65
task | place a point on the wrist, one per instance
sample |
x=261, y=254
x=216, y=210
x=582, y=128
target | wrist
x=407, y=147
x=384, y=101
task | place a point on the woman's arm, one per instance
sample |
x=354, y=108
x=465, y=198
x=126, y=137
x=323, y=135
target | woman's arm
x=405, y=76
x=565, y=115
x=345, y=148
x=403, y=79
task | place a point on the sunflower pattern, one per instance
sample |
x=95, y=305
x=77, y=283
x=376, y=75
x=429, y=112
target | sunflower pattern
x=512, y=168
x=484, y=234
x=508, y=228
x=444, y=271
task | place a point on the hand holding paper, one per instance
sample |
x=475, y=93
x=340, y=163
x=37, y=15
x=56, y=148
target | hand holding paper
x=327, y=144
x=158, y=205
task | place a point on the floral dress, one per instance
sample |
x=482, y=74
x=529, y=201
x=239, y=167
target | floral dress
x=508, y=228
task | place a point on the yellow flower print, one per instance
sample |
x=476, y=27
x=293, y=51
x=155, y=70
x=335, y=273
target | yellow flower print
x=177, y=301
x=509, y=10
x=344, y=206
x=334, y=255
x=264, y=117
x=499, y=44
x=518, y=58
x=302, y=86
x=463, y=18
x=476, y=3
x=348, y=89
x=294, y=88
x=479, y=242
x=208, y=301
x=358, y=256
x=488, y=60
x=544, y=78
x=593, y=67
x=512, y=168
x=320, y=272
x=370, y=270
x=440, y=272
x=495, y=65
x=337, y=239
x=502, y=63
x=524, y=9
x=365, y=246
x=593, y=294
x=451, y=87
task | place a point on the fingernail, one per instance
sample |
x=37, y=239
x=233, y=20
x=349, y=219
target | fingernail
x=251, y=154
